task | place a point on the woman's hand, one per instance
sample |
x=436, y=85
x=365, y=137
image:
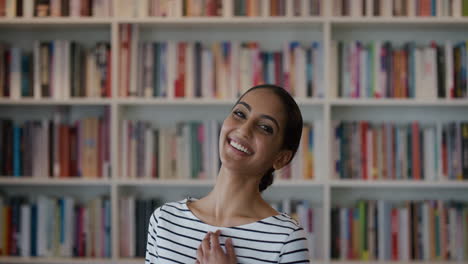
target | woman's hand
x=210, y=252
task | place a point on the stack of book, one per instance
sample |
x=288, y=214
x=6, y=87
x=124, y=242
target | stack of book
x=170, y=8
x=58, y=69
x=397, y=151
x=385, y=70
x=55, y=227
x=253, y=8
x=400, y=231
x=398, y=8
x=55, y=8
x=221, y=70
x=55, y=148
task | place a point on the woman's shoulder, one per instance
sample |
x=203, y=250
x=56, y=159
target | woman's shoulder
x=170, y=209
x=283, y=220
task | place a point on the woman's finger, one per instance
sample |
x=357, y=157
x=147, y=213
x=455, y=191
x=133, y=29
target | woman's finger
x=215, y=240
x=199, y=254
x=206, y=243
x=229, y=248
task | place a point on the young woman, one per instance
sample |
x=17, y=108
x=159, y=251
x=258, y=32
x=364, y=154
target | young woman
x=233, y=224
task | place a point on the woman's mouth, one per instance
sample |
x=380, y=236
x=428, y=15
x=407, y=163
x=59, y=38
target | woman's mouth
x=238, y=146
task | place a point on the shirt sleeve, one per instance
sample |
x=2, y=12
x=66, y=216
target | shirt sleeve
x=151, y=256
x=295, y=249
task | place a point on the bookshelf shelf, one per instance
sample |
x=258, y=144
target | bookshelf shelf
x=199, y=102
x=399, y=184
x=377, y=21
x=55, y=182
x=56, y=21
x=183, y=183
x=399, y=102
x=77, y=101
x=55, y=260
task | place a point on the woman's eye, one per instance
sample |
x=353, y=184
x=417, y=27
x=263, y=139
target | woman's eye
x=238, y=113
x=267, y=129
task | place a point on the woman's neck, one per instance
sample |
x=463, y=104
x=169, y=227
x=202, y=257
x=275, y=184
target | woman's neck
x=234, y=195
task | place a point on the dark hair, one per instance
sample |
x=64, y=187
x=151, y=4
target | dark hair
x=292, y=130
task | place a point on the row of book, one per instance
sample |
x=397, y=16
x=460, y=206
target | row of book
x=253, y=8
x=189, y=150
x=398, y=8
x=220, y=70
x=55, y=148
x=55, y=227
x=170, y=8
x=309, y=217
x=308, y=159
x=134, y=216
x=55, y=8
x=385, y=70
x=58, y=69
x=397, y=151
x=400, y=231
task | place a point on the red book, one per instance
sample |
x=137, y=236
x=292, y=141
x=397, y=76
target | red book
x=277, y=62
x=64, y=146
x=364, y=126
x=9, y=231
x=394, y=154
x=416, y=148
x=395, y=228
x=180, y=82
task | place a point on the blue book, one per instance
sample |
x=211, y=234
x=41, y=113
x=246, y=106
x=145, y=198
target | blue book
x=16, y=151
x=26, y=87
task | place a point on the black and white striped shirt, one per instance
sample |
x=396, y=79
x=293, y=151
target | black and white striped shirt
x=174, y=234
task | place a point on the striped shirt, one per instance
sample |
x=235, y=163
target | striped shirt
x=174, y=234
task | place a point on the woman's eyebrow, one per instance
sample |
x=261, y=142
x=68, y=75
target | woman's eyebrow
x=263, y=116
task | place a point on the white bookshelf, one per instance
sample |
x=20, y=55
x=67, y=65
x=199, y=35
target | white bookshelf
x=269, y=32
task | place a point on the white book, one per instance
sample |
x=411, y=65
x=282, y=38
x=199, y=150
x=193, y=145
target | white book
x=356, y=8
x=387, y=8
x=190, y=70
x=411, y=7
x=148, y=75
x=134, y=59
x=25, y=234
x=42, y=219
x=28, y=9
x=457, y=8
x=10, y=8
x=172, y=62
x=234, y=74
x=305, y=8
x=299, y=75
x=75, y=8
x=67, y=61
x=90, y=69
x=383, y=222
x=369, y=7
x=55, y=8
x=404, y=247
x=205, y=58
x=317, y=65
x=244, y=69
x=143, y=7
x=378, y=83
x=439, y=7
x=265, y=8
x=15, y=73
x=289, y=8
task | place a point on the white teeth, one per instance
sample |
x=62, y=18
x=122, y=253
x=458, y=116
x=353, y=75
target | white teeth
x=239, y=146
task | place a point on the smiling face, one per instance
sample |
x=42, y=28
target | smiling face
x=251, y=137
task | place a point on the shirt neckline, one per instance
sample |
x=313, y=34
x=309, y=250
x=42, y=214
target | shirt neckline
x=184, y=203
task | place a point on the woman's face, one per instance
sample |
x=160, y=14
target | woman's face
x=252, y=135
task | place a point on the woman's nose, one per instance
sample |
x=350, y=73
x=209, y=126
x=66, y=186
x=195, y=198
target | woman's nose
x=246, y=128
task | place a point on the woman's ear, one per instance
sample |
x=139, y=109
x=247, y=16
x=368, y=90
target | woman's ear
x=282, y=159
